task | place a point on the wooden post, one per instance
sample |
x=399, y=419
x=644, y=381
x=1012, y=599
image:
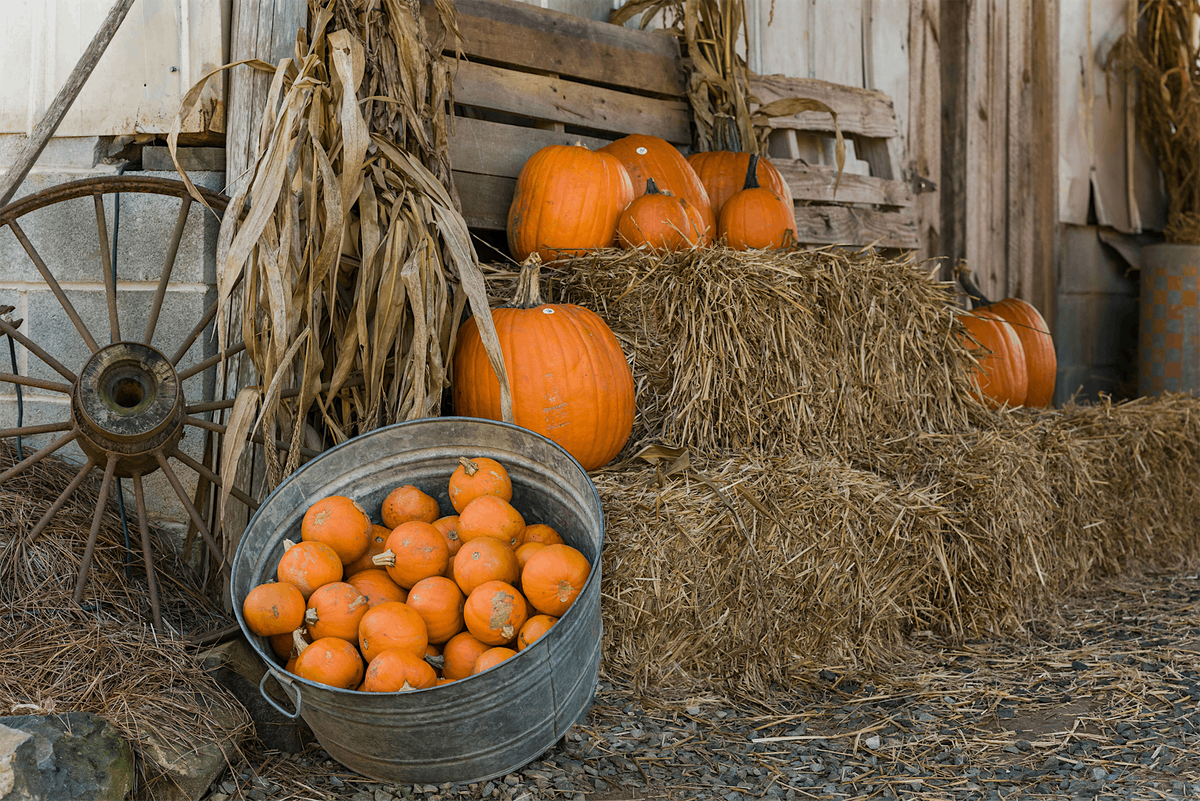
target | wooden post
x=1043, y=287
x=48, y=124
x=925, y=122
x=953, y=184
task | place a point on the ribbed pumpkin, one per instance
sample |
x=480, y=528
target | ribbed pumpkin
x=723, y=173
x=376, y=545
x=408, y=503
x=566, y=202
x=553, y=578
x=340, y=523
x=492, y=657
x=331, y=661
x=1041, y=363
x=570, y=381
x=648, y=157
x=439, y=602
x=659, y=221
x=756, y=217
x=475, y=477
x=308, y=565
x=482, y=560
x=460, y=655
x=415, y=550
x=377, y=586
x=495, y=612
x=398, y=670
x=1001, y=375
x=489, y=516
x=273, y=608
x=535, y=627
x=392, y=625
x=334, y=610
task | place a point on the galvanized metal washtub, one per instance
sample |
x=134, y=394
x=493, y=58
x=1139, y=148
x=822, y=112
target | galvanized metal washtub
x=476, y=728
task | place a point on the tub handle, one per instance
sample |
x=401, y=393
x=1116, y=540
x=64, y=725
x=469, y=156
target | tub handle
x=289, y=688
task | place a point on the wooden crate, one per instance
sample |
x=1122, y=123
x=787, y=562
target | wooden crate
x=534, y=77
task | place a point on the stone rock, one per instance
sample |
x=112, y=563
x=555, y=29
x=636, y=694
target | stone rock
x=189, y=768
x=77, y=755
x=237, y=667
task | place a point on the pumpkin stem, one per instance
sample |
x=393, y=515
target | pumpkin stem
x=752, y=173
x=652, y=188
x=528, y=296
x=298, y=643
x=437, y=662
x=468, y=466
x=963, y=275
x=385, y=559
x=311, y=616
x=288, y=545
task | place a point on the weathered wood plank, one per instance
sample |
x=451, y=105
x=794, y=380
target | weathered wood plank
x=841, y=225
x=1043, y=288
x=492, y=148
x=925, y=122
x=192, y=159
x=952, y=186
x=816, y=184
x=485, y=199
x=1019, y=211
x=860, y=111
x=546, y=98
x=534, y=38
x=881, y=154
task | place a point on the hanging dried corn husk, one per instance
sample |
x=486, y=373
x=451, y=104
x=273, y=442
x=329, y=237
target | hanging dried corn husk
x=344, y=263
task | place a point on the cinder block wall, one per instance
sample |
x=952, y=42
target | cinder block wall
x=66, y=237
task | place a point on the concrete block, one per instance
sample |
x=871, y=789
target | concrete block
x=36, y=410
x=61, y=151
x=1097, y=330
x=1086, y=265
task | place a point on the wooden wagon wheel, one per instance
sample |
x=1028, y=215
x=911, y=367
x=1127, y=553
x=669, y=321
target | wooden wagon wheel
x=128, y=410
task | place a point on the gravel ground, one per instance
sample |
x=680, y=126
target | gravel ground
x=1105, y=706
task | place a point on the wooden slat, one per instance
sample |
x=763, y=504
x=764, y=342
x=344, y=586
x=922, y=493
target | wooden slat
x=925, y=121
x=546, y=98
x=816, y=184
x=860, y=111
x=840, y=225
x=1019, y=211
x=492, y=148
x=881, y=154
x=485, y=199
x=514, y=33
x=1043, y=289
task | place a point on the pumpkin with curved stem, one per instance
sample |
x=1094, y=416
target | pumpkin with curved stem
x=408, y=503
x=275, y=608
x=646, y=157
x=1001, y=376
x=335, y=610
x=492, y=657
x=489, y=516
x=460, y=654
x=284, y=645
x=475, y=477
x=331, y=661
x=570, y=381
x=308, y=565
x=340, y=523
x=377, y=587
x=376, y=545
x=416, y=550
x=495, y=612
x=535, y=627
x=723, y=173
x=540, y=532
x=482, y=560
x=566, y=203
x=439, y=602
x=553, y=578
x=658, y=221
x=396, y=670
x=756, y=217
x=392, y=625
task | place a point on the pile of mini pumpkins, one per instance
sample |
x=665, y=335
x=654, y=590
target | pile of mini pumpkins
x=640, y=192
x=422, y=600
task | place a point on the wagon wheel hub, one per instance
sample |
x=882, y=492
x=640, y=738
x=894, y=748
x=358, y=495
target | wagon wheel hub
x=127, y=402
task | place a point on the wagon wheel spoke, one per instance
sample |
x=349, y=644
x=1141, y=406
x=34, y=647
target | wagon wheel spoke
x=200, y=367
x=33, y=348
x=40, y=383
x=197, y=518
x=52, y=282
x=110, y=280
x=194, y=334
x=21, y=466
x=147, y=552
x=168, y=266
x=29, y=431
x=213, y=478
x=61, y=500
x=97, y=518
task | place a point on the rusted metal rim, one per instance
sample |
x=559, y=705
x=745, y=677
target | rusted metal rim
x=106, y=185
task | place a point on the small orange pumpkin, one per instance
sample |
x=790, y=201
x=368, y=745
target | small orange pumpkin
x=449, y=527
x=723, y=173
x=391, y=625
x=644, y=156
x=376, y=545
x=340, y=523
x=553, y=578
x=527, y=550
x=439, y=602
x=398, y=670
x=308, y=565
x=409, y=503
x=535, y=627
x=495, y=612
x=482, y=560
x=659, y=221
x=377, y=586
x=416, y=550
x=284, y=645
x=489, y=516
x=492, y=657
x=275, y=608
x=335, y=610
x=460, y=654
x=331, y=661
x=540, y=532
x=475, y=477
x=756, y=217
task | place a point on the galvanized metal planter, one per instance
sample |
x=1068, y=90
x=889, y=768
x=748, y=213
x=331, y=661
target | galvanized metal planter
x=476, y=728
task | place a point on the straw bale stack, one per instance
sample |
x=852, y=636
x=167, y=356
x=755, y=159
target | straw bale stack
x=841, y=488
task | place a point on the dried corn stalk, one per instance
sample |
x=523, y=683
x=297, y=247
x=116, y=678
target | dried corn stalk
x=350, y=259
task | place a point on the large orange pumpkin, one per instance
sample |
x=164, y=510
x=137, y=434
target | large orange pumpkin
x=648, y=157
x=756, y=217
x=553, y=578
x=723, y=173
x=659, y=221
x=570, y=381
x=340, y=523
x=1041, y=363
x=1001, y=376
x=566, y=202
